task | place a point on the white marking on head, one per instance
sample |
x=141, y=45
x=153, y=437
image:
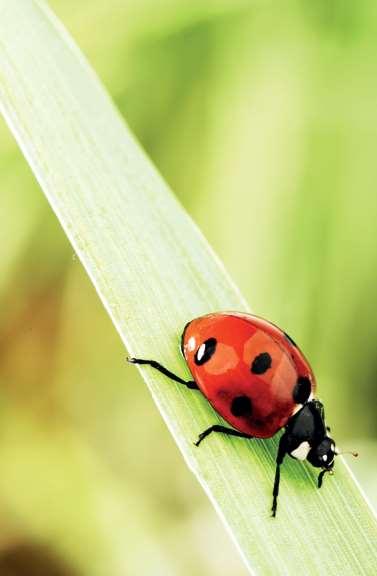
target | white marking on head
x=200, y=352
x=324, y=457
x=332, y=447
x=191, y=344
x=301, y=451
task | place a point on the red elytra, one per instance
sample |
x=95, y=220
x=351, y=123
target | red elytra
x=251, y=371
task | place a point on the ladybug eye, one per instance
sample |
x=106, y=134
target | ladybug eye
x=205, y=351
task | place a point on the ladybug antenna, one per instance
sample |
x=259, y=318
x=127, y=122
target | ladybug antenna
x=354, y=454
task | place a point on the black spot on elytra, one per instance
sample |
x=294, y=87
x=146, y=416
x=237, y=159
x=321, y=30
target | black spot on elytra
x=290, y=339
x=241, y=406
x=209, y=350
x=261, y=363
x=301, y=391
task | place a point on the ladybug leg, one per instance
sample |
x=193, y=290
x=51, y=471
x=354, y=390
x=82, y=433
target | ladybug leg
x=320, y=477
x=157, y=366
x=223, y=430
x=282, y=451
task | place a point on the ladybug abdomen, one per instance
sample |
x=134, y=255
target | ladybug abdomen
x=246, y=373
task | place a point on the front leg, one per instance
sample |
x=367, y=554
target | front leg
x=223, y=430
x=282, y=451
x=157, y=366
x=320, y=477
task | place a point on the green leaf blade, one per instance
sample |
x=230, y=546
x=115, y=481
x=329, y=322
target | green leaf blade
x=154, y=272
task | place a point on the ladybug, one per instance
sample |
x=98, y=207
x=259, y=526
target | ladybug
x=259, y=381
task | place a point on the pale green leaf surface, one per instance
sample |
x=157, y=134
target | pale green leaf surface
x=154, y=272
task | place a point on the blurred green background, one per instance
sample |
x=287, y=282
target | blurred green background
x=262, y=117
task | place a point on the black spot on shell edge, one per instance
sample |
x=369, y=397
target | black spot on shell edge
x=209, y=350
x=302, y=390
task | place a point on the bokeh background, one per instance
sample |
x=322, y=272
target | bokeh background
x=262, y=117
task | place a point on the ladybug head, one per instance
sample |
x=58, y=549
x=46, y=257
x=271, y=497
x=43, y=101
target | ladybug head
x=322, y=455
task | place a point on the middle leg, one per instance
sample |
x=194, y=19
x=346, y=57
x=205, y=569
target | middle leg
x=221, y=429
x=282, y=451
